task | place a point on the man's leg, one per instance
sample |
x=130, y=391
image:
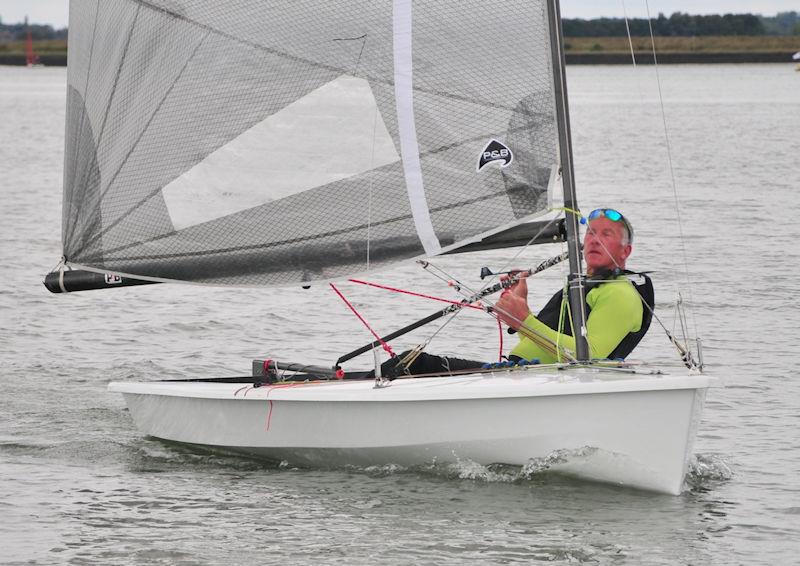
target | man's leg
x=428, y=363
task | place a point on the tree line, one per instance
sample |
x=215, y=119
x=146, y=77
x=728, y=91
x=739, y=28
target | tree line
x=686, y=25
x=676, y=25
x=19, y=32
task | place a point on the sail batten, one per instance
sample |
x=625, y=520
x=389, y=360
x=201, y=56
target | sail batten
x=254, y=130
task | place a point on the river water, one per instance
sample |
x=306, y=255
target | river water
x=80, y=485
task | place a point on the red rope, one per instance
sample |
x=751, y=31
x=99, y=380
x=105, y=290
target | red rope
x=270, y=390
x=385, y=346
x=500, y=328
x=396, y=290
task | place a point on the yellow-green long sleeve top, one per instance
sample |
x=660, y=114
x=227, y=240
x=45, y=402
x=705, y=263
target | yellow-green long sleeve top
x=616, y=310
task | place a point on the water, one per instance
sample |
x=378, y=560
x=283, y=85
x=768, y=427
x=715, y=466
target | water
x=81, y=486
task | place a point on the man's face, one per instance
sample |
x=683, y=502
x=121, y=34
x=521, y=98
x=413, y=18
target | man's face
x=603, y=246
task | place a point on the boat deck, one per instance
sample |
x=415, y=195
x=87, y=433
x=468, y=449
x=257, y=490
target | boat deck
x=529, y=381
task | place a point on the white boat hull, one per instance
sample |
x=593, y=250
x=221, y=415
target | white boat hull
x=620, y=428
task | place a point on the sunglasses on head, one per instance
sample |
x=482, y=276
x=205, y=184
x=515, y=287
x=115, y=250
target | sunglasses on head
x=611, y=214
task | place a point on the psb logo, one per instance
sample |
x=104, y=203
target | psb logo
x=495, y=151
x=113, y=279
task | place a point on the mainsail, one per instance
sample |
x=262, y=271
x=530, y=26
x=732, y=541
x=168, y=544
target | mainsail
x=263, y=143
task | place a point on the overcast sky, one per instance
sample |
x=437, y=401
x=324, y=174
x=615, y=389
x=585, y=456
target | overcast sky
x=55, y=12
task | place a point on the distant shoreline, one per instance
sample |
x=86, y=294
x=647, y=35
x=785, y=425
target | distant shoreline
x=597, y=58
x=48, y=60
x=612, y=50
x=672, y=58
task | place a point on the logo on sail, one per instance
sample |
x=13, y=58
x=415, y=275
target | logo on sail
x=495, y=151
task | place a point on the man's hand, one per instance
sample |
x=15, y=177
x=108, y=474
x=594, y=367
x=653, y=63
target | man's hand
x=512, y=308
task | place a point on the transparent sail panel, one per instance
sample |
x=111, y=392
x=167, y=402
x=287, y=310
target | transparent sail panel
x=286, y=149
x=254, y=143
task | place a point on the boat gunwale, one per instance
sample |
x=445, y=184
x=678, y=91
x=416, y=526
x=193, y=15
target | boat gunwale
x=463, y=387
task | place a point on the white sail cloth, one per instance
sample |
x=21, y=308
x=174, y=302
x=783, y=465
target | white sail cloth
x=251, y=143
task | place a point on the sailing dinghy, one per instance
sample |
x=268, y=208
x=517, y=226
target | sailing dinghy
x=282, y=144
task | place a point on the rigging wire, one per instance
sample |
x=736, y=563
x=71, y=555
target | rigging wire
x=371, y=185
x=452, y=282
x=431, y=297
x=372, y=161
x=542, y=340
x=684, y=352
x=679, y=317
x=458, y=285
x=369, y=193
x=671, y=168
x=491, y=309
x=628, y=30
x=555, y=348
x=532, y=334
x=682, y=317
x=510, y=262
x=363, y=38
x=549, y=346
x=412, y=293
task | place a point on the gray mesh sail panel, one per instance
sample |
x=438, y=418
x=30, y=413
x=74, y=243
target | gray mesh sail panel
x=257, y=143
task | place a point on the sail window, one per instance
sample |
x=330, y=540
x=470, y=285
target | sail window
x=333, y=133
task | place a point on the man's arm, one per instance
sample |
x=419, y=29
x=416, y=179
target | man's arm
x=512, y=309
x=615, y=312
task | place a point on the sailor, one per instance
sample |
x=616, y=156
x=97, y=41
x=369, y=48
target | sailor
x=618, y=312
x=617, y=316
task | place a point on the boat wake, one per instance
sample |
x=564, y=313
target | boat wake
x=466, y=469
x=706, y=471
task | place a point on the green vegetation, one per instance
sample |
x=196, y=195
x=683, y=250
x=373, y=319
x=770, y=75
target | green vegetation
x=41, y=47
x=19, y=31
x=686, y=25
x=702, y=44
x=707, y=44
x=785, y=23
x=604, y=37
